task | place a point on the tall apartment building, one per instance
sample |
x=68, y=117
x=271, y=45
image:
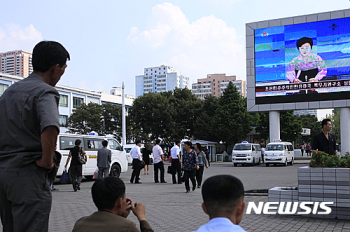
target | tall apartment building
x=159, y=79
x=18, y=63
x=215, y=84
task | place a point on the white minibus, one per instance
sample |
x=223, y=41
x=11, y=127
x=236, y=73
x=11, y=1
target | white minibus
x=246, y=153
x=279, y=153
x=91, y=144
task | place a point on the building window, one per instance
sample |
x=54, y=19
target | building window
x=63, y=119
x=77, y=101
x=63, y=101
x=3, y=87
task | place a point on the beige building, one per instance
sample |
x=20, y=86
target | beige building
x=215, y=84
x=17, y=63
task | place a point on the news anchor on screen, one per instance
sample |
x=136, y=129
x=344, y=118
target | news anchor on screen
x=307, y=67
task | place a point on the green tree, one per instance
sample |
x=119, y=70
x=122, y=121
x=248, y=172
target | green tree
x=104, y=119
x=290, y=126
x=168, y=115
x=85, y=119
x=310, y=121
x=336, y=124
x=233, y=120
x=262, y=125
x=206, y=125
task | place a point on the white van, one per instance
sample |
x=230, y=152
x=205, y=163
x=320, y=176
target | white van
x=91, y=144
x=246, y=153
x=279, y=153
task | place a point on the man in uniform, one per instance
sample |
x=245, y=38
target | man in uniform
x=135, y=153
x=158, y=162
x=28, y=135
x=176, y=162
x=325, y=141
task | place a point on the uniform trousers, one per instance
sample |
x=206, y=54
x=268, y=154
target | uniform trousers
x=135, y=175
x=76, y=173
x=176, y=167
x=103, y=173
x=199, y=175
x=25, y=199
x=159, y=166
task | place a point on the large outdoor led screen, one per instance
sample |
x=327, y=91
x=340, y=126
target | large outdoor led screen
x=303, y=62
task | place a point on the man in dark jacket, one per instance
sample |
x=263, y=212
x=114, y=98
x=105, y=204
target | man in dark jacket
x=325, y=141
x=103, y=160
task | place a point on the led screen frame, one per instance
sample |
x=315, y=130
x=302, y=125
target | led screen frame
x=291, y=101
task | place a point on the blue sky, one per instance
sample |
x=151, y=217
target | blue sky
x=112, y=41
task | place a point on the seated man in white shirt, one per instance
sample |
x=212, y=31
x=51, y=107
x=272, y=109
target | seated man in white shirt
x=223, y=202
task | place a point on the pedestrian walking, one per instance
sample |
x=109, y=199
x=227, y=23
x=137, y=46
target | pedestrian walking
x=207, y=155
x=104, y=156
x=189, y=165
x=135, y=153
x=158, y=162
x=176, y=162
x=263, y=149
x=29, y=128
x=147, y=151
x=302, y=148
x=76, y=168
x=202, y=161
x=308, y=149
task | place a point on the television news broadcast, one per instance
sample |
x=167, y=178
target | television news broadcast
x=303, y=62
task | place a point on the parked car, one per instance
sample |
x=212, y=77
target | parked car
x=246, y=153
x=279, y=153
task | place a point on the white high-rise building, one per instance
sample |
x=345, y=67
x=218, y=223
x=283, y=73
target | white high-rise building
x=159, y=79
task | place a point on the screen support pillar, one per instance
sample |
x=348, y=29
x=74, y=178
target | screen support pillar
x=274, y=125
x=344, y=130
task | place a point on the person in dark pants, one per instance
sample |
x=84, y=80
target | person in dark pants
x=103, y=160
x=29, y=122
x=207, y=155
x=176, y=162
x=189, y=165
x=325, y=141
x=135, y=153
x=145, y=156
x=158, y=162
x=76, y=168
x=202, y=161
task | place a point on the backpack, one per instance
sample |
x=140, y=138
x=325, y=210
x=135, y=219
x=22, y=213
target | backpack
x=81, y=156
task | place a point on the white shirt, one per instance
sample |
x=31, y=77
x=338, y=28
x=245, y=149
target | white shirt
x=220, y=224
x=175, y=150
x=135, y=152
x=263, y=150
x=157, y=152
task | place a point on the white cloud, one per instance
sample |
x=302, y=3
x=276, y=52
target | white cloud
x=16, y=37
x=207, y=45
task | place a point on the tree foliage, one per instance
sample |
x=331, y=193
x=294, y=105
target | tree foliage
x=168, y=115
x=290, y=126
x=310, y=121
x=262, y=125
x=233, y=120
x=104, y=119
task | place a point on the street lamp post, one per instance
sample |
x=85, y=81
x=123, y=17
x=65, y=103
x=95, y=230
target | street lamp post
x=123, y=117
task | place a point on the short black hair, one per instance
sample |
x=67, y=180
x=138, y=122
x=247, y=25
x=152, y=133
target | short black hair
x=104, y=143
x=48, y=53
x=199, y=146
x=77, y=142
x=158, y=141
x=325, y=122
x=304, y=40
x=188, y=143
x=105, y=192
x=222, y=193
x=177, y=142
x=137, y=141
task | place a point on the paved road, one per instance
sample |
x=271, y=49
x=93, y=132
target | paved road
x=169, y=208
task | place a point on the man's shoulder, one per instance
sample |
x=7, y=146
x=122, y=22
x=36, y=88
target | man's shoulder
x=101, y=221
